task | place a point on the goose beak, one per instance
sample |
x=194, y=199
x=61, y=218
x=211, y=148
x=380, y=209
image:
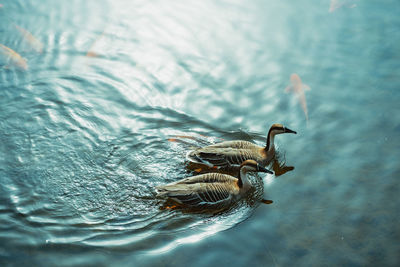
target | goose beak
x=287, y=130
x=262, y=169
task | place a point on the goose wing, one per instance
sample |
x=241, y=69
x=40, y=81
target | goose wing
x=236, y=144
x=207, y=178
x=223, y=157
x=207, y=189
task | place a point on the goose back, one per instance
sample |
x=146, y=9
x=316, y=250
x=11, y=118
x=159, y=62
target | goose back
x=229, y=154
x=212, y=189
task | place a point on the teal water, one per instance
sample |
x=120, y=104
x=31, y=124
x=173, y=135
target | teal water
x=84, y=139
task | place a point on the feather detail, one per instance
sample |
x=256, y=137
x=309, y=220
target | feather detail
x=205, y=189
x=214, y=190
x=231, y=154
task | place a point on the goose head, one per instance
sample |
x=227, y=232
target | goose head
x=278, y=128
x=253, y=166
x=275, y=129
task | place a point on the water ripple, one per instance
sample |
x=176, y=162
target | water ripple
x=87, y=131
x=105, y=197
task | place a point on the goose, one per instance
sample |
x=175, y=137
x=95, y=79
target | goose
x=230, y=154
x=211, y=190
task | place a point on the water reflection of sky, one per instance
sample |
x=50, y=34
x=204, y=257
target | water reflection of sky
x=84, y=137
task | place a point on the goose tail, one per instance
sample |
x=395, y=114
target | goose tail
x=193, y=157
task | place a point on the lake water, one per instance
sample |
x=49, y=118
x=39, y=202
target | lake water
x=86, y=128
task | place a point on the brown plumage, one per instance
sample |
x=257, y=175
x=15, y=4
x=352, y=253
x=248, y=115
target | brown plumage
x=230, y=154
x=214, y=190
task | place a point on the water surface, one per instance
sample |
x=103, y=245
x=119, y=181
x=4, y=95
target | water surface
x=84, y=131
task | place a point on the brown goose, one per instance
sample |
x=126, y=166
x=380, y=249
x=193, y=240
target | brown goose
x=230, y=154
x=211, y=190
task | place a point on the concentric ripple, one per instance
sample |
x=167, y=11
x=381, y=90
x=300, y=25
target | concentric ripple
x=114, y=93
x=104, y=195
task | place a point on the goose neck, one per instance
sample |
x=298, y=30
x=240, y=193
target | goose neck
x=270, y=141
x=243, y=181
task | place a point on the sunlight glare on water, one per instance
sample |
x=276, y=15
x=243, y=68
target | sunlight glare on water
x=101, y=100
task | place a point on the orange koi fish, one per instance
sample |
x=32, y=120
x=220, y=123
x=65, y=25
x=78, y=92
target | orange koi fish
x=13, y=57
x=336, y=4
x=33, y=42
x=298, y=88
x=90, y=52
